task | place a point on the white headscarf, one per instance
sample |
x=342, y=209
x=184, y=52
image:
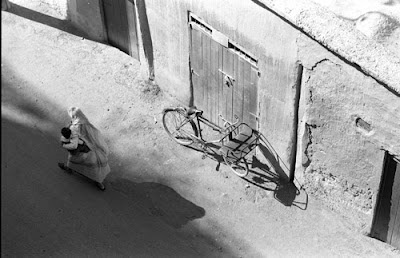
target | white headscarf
x=87, y=131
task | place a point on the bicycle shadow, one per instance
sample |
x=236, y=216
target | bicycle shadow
x=269, y=175
x=285, y=191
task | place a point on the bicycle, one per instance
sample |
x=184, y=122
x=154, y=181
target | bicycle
x=235, y=142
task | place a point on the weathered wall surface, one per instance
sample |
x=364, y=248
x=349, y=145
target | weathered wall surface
x=348, y=121
x=260, y=32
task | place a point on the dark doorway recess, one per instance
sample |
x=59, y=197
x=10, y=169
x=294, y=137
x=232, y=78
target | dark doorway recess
x=386, y=224
x=120, y=23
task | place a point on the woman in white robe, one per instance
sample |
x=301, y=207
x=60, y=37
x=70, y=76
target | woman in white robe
x=93, y=164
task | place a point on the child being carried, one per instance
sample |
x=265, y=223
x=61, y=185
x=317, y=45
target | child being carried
x=72, y=142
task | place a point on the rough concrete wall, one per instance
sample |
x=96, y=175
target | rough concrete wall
x=254, y=28
x=348, y=121
x=87, y=16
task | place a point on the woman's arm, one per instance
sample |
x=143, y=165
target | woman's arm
x=72, y=145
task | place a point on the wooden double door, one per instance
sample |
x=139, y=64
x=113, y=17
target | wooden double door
x=223, y=81
x=120, y=23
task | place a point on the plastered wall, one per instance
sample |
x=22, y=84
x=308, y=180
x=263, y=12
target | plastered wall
x=347, y=123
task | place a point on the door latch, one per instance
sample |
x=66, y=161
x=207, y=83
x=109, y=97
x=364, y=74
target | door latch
x=228, y=80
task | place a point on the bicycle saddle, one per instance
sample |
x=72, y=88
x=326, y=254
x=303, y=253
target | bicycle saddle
x=193, y=110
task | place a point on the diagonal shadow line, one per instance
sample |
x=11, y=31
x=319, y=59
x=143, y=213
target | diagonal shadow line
x=64, y=25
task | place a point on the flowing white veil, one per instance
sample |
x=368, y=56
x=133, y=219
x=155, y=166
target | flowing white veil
x=88, y=132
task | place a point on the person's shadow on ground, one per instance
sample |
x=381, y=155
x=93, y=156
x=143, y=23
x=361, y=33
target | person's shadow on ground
x=160, y=201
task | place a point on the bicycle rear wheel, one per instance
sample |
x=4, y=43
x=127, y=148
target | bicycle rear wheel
x=178, y=127
x=238, y=165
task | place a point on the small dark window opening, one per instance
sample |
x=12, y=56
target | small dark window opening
x=202, y=24
x=240, y=51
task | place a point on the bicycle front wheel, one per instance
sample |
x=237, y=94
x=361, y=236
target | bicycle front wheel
x=178, y=127
x=238, y=165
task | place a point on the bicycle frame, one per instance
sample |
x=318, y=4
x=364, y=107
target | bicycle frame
x=200, y=119
x=232, y=143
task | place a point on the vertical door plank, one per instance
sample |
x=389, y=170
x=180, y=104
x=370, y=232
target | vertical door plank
x=214, y=65
x=235, y=88
x=221, y=87
x=247, y=93
x=205, y=78
x=238, y=89
x=394, y=222
x=196, y=63
x=195, y=48
x=228, y=68
x=253, y=107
